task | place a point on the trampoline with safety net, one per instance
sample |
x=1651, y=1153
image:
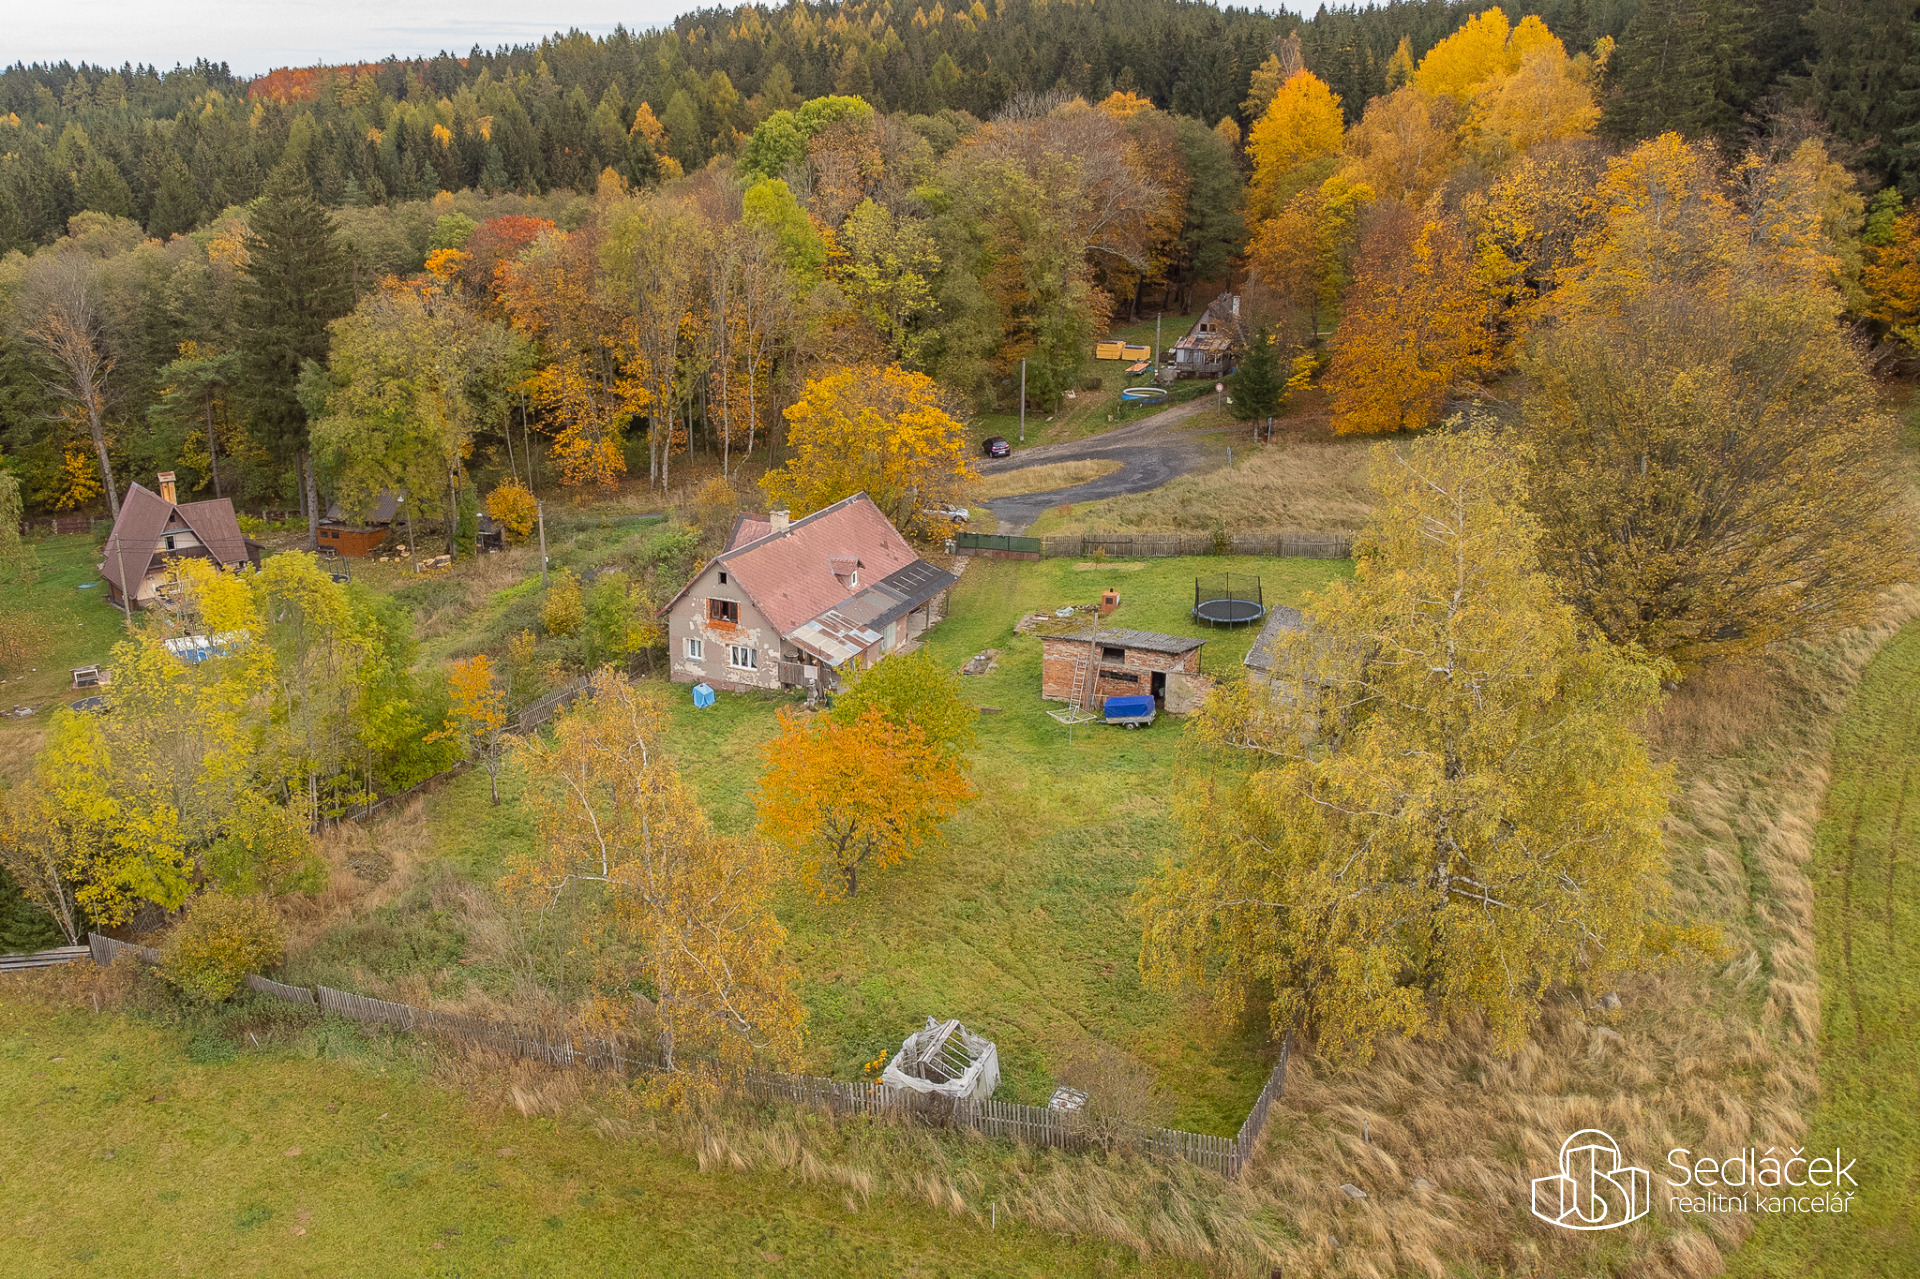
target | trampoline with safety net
x=1228, y=599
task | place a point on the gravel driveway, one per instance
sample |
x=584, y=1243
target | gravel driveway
x=1149, y=451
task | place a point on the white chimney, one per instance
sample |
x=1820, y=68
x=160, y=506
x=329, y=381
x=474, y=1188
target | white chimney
x=166, y=487
x=780, y=520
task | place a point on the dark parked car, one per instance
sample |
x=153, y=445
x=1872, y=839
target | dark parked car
x=996, y=446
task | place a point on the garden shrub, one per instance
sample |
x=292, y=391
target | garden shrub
x=222, y=939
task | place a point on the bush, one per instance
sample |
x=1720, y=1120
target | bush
x=222, y=939
x=512, y=506
x=715, y=506
x=563, y=610
x=1093, y=383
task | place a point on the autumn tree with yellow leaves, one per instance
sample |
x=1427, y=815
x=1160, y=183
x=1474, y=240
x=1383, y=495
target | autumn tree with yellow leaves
x=586, y=385
x=1706, y=452
x=885, y=432
x=477, y=715
x=1441, y=807
x=1415, y=326
x=680, y=912
x=1301, y=125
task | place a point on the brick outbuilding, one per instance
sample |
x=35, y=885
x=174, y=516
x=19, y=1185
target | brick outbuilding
x=1087, y=667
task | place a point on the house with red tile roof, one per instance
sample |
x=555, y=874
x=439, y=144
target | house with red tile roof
x=154, y=529
x=799, y=603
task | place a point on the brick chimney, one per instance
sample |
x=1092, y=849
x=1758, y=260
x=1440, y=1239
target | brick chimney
x=780, y=520
x=166, y=487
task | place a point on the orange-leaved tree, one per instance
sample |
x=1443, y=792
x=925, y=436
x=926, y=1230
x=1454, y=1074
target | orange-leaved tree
x=477, y=715
x=586, y=385
x=685, y=914
x=1890, y=276
x=1415, y=325
x=886, y=432
x=842, y=797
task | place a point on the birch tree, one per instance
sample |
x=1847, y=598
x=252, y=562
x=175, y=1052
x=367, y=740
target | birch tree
x=63, y=314
x=687, y=911
x=1440, y=806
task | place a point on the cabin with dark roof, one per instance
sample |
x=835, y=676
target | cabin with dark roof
x=799, y=603
x=154, y=530
x=1261, y=658
x=356, y=533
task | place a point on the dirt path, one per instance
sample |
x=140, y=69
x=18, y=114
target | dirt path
x=1152, y=451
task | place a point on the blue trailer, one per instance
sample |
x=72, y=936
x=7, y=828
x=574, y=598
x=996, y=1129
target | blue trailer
x=1136, y=711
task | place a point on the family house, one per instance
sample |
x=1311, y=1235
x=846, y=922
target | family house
x=1086, y=666
x=1214, y=344
x=794, y=603
x=153, y=530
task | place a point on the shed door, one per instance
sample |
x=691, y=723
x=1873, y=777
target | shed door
x=1159, y=688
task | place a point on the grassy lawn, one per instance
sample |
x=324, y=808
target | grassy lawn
x=135, y=1151
x=68, y=623
x=1867, y=914
x=1017, y=922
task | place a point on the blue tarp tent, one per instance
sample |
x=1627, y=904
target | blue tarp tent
x=703, y=695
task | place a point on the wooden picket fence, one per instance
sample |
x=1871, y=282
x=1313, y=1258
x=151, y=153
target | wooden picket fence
x=1004, y=1120
x=42, y=958
x=1130, y=546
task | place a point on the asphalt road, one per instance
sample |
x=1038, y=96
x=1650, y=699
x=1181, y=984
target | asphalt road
x=1150, y=451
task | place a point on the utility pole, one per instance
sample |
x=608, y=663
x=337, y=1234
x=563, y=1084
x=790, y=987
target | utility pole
x=413, y=547
x=1023, y=399
x=540, y=514
x=1156, y=344
x=126, y=596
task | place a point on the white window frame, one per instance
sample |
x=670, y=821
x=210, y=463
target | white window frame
x=696, y=649
x=734, y=653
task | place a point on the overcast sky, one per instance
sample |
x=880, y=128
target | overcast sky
x=254, y=36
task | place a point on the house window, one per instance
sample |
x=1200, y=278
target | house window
x=695, y=650
x=723, y=577
x=1120, y=677
x=169, y=541
x=1109, y=653
x=742, y=658
x=723, y=611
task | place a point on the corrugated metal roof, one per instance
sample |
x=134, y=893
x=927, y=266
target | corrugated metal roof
x=1146, y=641
x=1279, y=618
x=198, y=648
x=834, y=638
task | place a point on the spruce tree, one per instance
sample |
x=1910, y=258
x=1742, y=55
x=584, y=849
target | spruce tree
x=295, y=284
x=1863, y=81
x=1684, y=66
x=1258, y=385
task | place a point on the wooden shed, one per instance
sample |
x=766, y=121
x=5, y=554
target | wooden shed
x=1086, y=666
x=341, y=533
